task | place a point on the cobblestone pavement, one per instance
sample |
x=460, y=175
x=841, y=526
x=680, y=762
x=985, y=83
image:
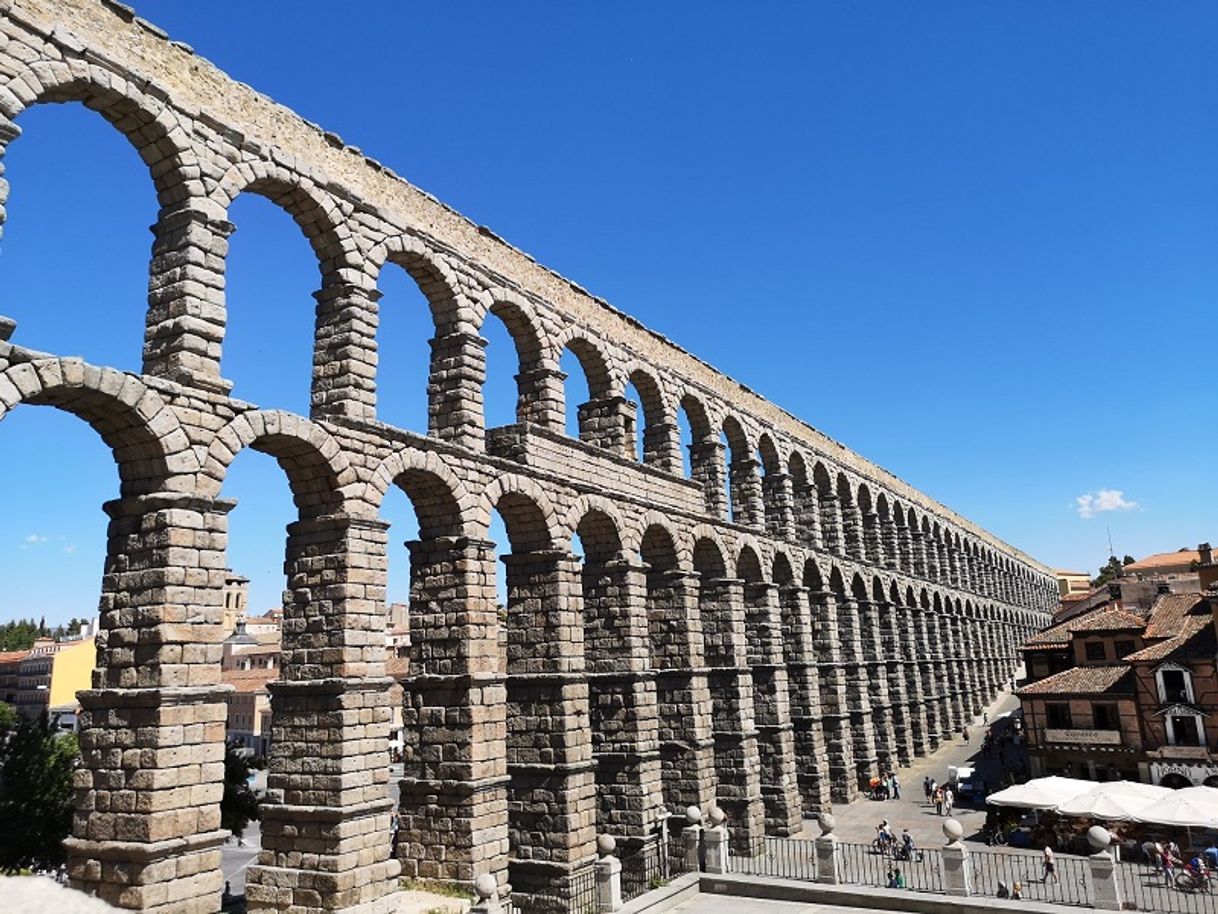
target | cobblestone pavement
x=857, y=821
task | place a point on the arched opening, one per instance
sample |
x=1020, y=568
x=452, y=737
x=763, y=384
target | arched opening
x=636, y=423
x=803, y=502
x=654, y=429
x=737, y=759
x=855, y=628
x=869, y=526
x=593, y=415
x=548, y=720
x=514, y=390
x=852, y=521
x=828, y=510
x=405, y=337
x=623, y=713
x=1176, y=781
x=90, y=303
x=742, y=479
x=776, y=497
x=270, y=277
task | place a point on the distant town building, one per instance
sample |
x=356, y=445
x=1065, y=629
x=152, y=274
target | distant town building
x=10, y=669
x=236, y=599
x=1118, y=692
x=249, y=709
x=1071, y=583
x=52, y=672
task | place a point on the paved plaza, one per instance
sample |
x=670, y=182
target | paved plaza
x=857, y=821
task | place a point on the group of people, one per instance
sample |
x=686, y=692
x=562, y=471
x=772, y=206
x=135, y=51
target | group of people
x=941, y=795
x=887, y=843
x=1168, y=859
x=886, y=787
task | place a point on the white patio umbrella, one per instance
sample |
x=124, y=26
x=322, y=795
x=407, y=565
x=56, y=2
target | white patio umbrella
x=1040, y=793
x=1192, y=807
x=1116, y=801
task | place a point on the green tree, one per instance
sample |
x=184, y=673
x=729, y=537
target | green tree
x=1112, y=569
x=36, y=766
x=239, y=806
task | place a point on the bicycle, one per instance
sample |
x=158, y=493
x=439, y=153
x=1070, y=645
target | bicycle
x=1193, y=881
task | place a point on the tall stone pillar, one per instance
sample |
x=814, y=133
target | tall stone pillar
x=921, y=568
x=327, y=783
x=622, y=700
x=930, y=682
x=852, y=529
x=807, y=517
x=453, y=822
x=540, y=400
x=905, y=548
x=852, y=632
x=552, y=790
x=873, y=545
x=686, y=735
x=835, y=708
x=344, y=352
x=662, y=446
x=146, y=830
x=779, y=501
x=955, y=575
x=943, y=688
x=891, y=638
x=706, y=467
x=876, y=649
x=890, y=544
x=454, y=388
x=811, y=754
x=737, y=756
x=955, y=660
x=915, y=698
x=608, y=423
x=186, y=311
x=831, y=523
x=934, y=571
x=772, y=709
x=747, y=506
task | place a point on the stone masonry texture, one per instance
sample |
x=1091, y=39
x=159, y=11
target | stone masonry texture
x=762, y=635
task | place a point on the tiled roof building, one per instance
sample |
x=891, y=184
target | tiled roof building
x=1117, y=693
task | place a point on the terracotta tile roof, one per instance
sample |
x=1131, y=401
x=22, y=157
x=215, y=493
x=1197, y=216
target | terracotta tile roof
x=1108, y=619
x=1196, y=640
x=1161, y=561
x=1171, y=612
x=249, y=680
x=1100, y=619
x=12, y=656
x=1084, y=680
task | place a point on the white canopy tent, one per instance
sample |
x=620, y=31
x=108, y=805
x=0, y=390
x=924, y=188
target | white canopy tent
x=1114, y=801
x=1126, y=801
x=1040, y=793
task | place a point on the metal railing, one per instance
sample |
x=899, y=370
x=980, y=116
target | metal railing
x=582, y=892
x=786, y=858
x=866, y=864
x=645, y=869
x=996, y=873
x=1145, y=887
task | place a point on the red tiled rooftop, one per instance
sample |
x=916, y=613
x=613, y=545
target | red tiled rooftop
x=1084, y=680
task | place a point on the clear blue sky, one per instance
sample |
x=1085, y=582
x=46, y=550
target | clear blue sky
x=975, y=242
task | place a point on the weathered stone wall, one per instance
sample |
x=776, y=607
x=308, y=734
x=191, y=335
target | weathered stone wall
x=763, y=636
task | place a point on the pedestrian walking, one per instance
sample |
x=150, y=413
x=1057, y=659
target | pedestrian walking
x=949, y=800
x=1049, y=865
x=928, y=788
x=938, y=801
x=966, y=734
x=896, y=787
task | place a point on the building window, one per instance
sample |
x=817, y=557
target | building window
x=1184, y=730
x=1096, y=650
x=1057, y=715
x=1105, y=717
x=1125, y=648
x=1175, y=685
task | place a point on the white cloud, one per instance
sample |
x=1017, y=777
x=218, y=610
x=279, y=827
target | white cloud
x=70, y=548
x=1094, y=503
x=35, y=538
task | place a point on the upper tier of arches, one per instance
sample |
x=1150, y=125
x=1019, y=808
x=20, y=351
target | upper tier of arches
x=758, y=469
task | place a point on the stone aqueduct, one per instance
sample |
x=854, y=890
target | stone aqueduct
x=766, y=656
